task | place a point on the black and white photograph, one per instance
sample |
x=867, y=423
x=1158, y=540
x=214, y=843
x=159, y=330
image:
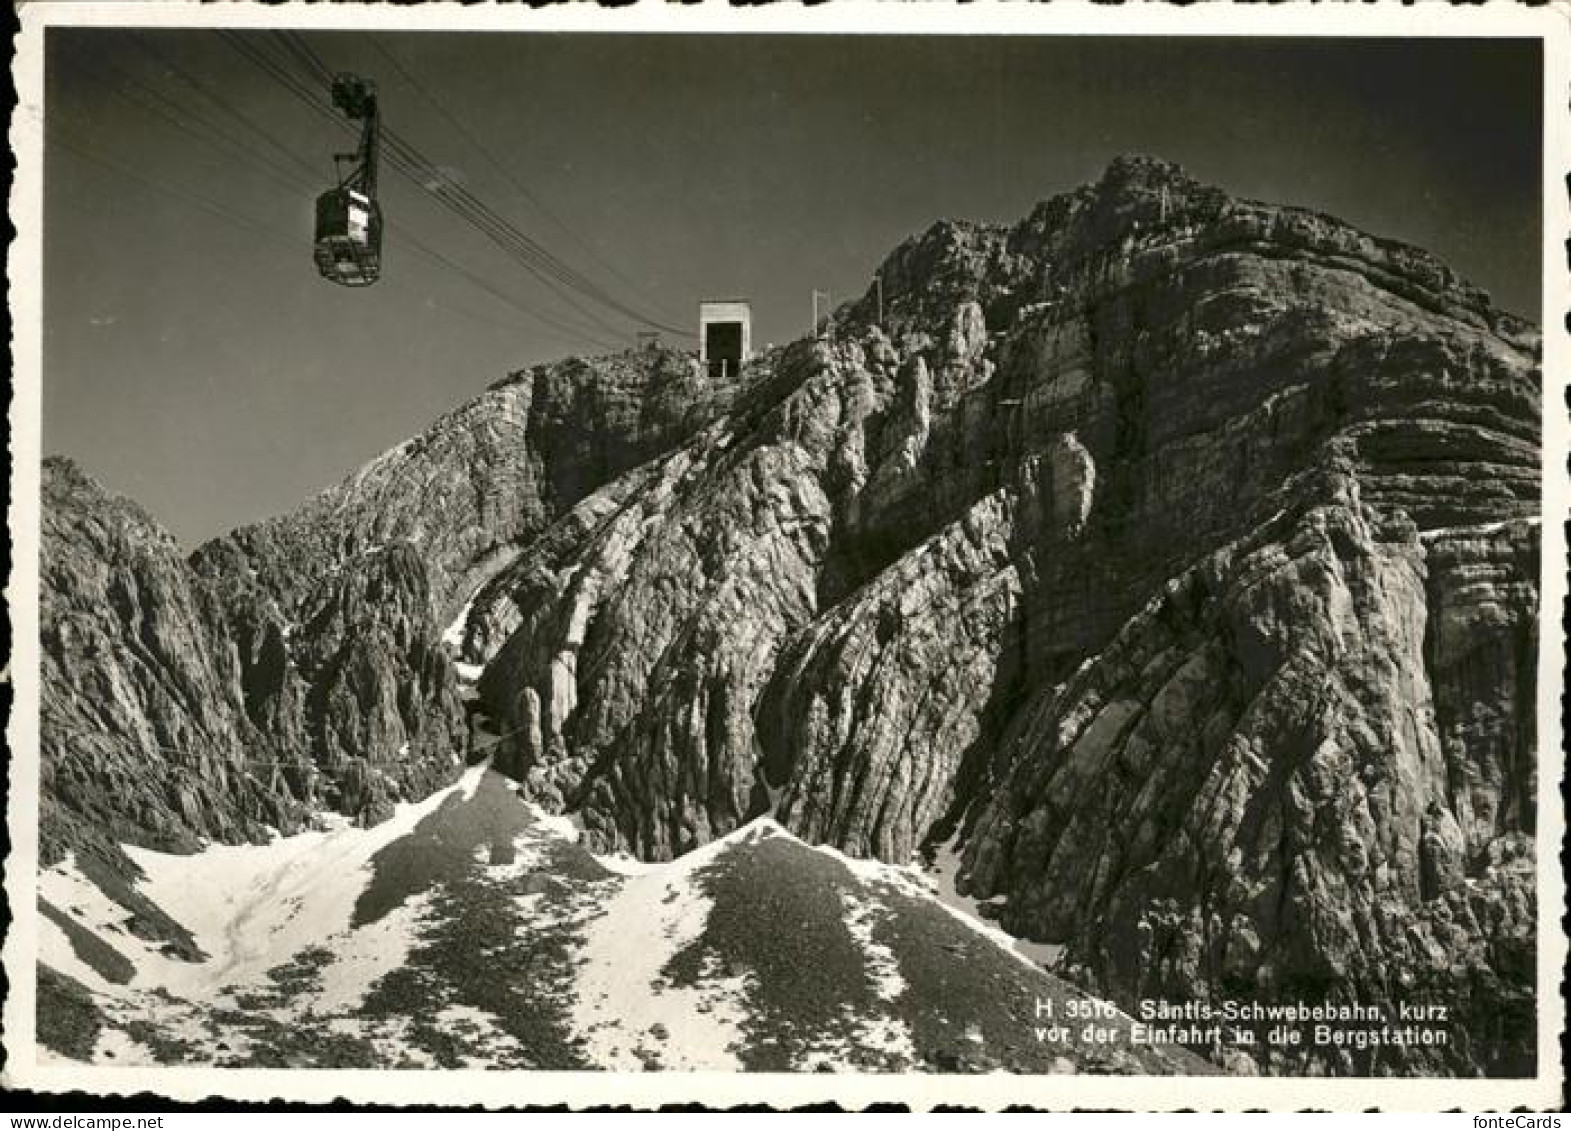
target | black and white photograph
x=955, y=560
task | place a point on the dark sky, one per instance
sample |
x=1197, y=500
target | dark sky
x=194, y=361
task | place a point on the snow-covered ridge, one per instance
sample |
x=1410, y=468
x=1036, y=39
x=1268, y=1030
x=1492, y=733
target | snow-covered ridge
x=472, y=930
x=248, y=907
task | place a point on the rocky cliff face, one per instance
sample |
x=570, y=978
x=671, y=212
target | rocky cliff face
x=492, y=473
x=296, y=665
x=1241, y=467
x=1246, y=794
x=1170, y=556
x=177, y=708
x=145, y=730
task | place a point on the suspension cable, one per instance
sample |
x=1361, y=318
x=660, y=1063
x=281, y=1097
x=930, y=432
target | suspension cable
x=414, y=165
x=458, y=125
x=417, y=175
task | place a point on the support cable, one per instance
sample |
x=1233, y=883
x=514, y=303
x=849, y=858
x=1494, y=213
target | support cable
x=460, y=200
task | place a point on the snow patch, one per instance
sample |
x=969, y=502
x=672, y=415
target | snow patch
x=453, y=635
x=252, y=907
x=628, y=1013
x=887, y=1034
x=394, y=1045
x=478, y=1030
x=881, y=1033
x=555, y=824
x=938, y=885
x=625, y=865
x=881, y=961
x=528, y=856
x=369, y=954
x=118, y=1048
x=942, y=883
x=55, y=949
x=1477, y=527
x=68, y=889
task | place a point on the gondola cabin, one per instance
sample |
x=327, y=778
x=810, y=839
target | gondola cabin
x=348, y=237
x=348, y=245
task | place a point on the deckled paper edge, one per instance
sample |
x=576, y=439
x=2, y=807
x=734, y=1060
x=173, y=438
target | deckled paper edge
x=584, y=1089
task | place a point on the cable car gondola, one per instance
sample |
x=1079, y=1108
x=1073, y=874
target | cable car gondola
x=348, y=247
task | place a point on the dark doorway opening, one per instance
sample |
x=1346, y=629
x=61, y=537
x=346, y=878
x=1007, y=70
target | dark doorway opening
x=723, y=348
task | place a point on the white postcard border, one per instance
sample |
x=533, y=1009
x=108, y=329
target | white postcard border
x=1551, y=25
